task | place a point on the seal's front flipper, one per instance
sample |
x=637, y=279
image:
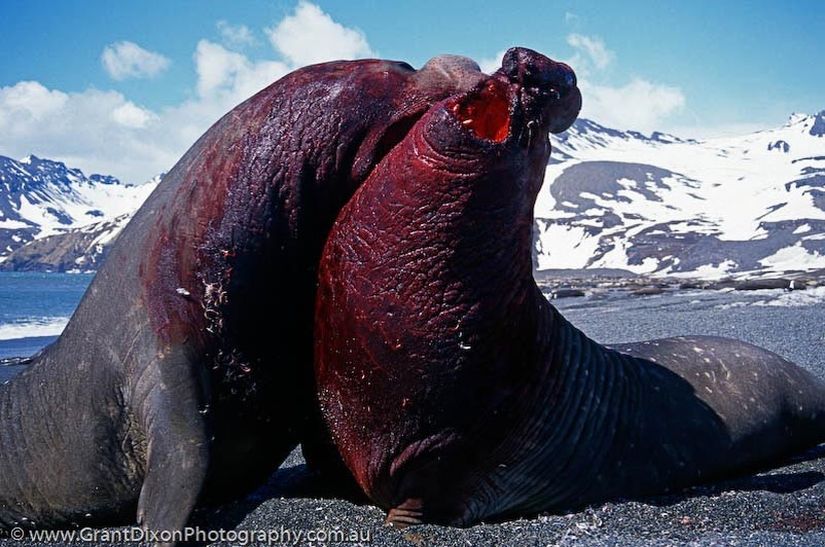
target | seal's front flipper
x=408, y=513
x=177, y=447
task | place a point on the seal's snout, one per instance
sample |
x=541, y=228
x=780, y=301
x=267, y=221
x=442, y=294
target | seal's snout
x=551, y=86
x=532, y=69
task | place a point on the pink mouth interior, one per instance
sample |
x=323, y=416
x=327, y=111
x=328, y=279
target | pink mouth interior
x=486, y=113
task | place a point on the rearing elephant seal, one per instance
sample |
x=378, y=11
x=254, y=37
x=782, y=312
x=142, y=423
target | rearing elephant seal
x=453, y=389
x=186, y=371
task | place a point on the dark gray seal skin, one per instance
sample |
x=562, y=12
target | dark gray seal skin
x=453, y=389
x=186, y=372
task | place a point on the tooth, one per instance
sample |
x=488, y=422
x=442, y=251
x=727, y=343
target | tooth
x=467, y=122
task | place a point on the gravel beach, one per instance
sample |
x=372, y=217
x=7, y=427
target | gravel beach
x=781, y=506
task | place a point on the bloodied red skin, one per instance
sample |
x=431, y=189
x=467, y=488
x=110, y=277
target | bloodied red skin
x=455, y=392
x=186, y=372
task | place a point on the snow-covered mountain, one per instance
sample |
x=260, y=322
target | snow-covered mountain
x=666, y=206
x=654, y=204
x=81, y=249
x=42, y=199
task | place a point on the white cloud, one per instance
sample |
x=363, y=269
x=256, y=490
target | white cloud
x=130, y=115
x=128, y=60
x=311, y=36
x=216, y=67
x=593, y=47
x=98, y=131
x=104, y=132
x=29, y=101
x=491, y=64
x=231, y=75
x=639, y=105
x=237, y=36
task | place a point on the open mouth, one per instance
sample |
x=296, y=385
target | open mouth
x=528, y=97
x=486, y=112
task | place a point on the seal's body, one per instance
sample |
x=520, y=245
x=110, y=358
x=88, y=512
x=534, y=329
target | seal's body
x=453, y=389
x=186, y=371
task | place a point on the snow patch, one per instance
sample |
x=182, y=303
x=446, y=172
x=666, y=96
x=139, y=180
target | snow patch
x=793, y=258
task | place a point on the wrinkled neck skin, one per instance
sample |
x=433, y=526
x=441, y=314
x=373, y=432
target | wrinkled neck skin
x=433, y=259
x=462, y=385
x=457, y=209
x=462, y=228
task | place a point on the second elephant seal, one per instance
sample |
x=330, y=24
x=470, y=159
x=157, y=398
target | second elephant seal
x=453, y=389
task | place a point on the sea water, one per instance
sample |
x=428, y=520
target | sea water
x=35, y=307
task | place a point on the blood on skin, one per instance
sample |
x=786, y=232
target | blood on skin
x=487, y=113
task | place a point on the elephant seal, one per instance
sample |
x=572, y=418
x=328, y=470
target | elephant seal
x=454, y=390
x=186, y=372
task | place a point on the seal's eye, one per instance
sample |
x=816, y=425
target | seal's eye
x=486, y=112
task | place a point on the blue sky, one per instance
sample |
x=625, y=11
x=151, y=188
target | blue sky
x=126, y=87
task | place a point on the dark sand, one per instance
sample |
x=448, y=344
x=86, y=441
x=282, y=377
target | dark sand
x=782, y=506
